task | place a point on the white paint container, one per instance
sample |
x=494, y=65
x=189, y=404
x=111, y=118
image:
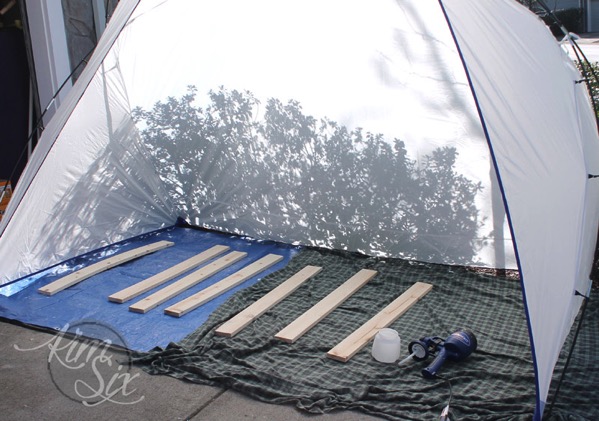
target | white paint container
x=386, y=346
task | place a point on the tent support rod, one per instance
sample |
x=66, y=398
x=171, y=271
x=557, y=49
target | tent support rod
x=585, y=65
x=559, y=383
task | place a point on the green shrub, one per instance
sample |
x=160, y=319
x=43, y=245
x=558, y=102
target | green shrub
x=590, y=72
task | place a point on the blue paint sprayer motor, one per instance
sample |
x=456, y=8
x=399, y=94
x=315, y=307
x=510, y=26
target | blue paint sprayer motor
x=459, y=345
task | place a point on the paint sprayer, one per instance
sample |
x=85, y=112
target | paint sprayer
x=459, y=345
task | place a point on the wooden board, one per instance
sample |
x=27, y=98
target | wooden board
x=257, y=309
x=213, y=291
x=166, y=275
x=194, y=278
x=361, y=336
x=320, y=310
x=101, y=266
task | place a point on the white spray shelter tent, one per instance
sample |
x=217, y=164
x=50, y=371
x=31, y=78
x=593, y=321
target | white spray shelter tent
x=479, y=86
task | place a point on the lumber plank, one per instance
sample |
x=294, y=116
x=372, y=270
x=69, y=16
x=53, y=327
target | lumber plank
x=146, y=304
x=105, y=264
x=166, y=275
x=213, y=291
x=320, y=310
x=361, y=336
x=234, y=325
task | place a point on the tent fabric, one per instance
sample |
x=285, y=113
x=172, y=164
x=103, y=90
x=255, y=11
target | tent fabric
x=500, y=70
x=438, y=131
x=281, y=192
x=86, y=182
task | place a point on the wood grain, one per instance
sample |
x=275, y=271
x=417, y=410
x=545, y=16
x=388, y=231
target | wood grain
x=166, y=275
x=105, y=264
x=183, y=284
x=213, y=291
x=320, y=310
x=361, y=336
x=268, y=301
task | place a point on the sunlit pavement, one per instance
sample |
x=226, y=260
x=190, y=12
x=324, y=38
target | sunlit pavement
x=589, y=44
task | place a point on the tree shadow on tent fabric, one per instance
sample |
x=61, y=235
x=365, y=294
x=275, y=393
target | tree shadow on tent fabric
x=113, y=196
x=280, y=174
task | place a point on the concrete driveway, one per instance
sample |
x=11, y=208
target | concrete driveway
x=33, y=386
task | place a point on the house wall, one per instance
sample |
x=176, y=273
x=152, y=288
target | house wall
x=62, y=35
x=592, y=15
x=563, y=4
x=52, y=39
x=14, y=104
x=49, y=52
x=80, y=29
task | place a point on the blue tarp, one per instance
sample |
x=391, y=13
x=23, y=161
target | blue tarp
x=88, y=300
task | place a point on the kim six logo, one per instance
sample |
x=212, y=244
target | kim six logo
x=91, y=371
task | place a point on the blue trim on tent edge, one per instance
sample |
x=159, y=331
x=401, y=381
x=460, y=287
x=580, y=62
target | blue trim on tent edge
x=539, y=406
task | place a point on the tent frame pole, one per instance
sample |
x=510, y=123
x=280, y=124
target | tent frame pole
x=585, y=66
x=565, y=369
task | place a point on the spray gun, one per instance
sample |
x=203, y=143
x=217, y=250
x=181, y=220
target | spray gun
x=459, y=345
x=421, y=349
x=456, y=347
